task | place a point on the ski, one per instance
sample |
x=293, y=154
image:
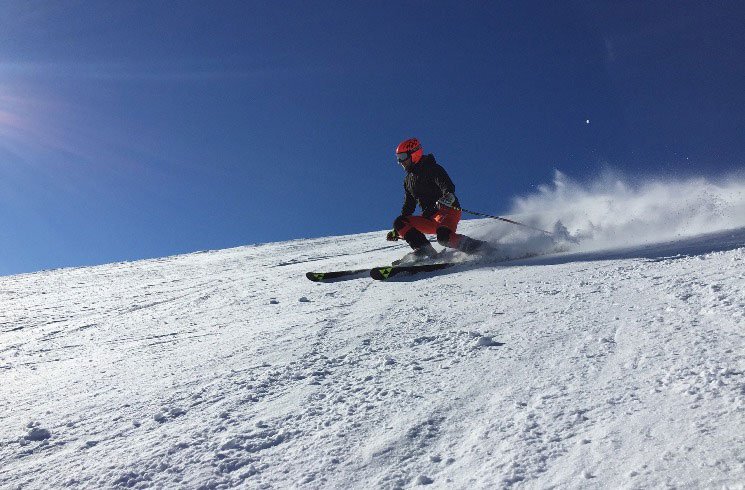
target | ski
x=334, y=276
x=379, y=273
x=386, y=272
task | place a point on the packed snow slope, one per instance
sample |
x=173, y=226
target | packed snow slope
x=613, y=367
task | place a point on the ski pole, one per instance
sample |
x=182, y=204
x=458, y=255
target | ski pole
x=475, y=213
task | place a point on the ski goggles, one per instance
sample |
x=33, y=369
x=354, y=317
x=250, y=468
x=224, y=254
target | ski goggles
x=402, y=157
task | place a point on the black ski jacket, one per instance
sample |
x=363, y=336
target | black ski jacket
x=425, y=184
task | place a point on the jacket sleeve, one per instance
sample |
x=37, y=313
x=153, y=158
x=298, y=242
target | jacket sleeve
x=409, y=203
x=442, y=179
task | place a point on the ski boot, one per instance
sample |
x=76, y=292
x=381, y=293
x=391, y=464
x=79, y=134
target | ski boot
x=478, y=248
x=418, y=255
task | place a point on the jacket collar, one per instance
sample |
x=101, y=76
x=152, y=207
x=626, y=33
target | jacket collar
x=425, y=160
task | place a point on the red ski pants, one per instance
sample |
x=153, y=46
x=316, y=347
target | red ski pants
x=444, y=217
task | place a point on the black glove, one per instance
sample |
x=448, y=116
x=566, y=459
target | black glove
x=392, y=236
x=446, y=201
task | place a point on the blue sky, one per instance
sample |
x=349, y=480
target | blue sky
x=141, y=129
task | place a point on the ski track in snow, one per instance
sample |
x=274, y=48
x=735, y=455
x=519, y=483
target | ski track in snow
x=229, y=368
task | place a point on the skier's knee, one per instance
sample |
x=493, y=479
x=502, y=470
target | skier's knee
x=443, y=236
x=400, y=223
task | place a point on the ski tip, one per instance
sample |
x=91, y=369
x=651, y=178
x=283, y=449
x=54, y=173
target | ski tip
x=315, y=276
x=386, y=272
x=336, y=276
x=381, y=273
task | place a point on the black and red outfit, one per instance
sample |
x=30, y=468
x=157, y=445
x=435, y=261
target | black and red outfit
x=425, y=183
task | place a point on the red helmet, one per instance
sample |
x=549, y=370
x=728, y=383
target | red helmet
x=409, y=149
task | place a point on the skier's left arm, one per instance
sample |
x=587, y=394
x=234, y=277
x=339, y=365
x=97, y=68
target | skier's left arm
x=409, y=203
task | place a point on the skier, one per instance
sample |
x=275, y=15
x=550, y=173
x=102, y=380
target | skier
x=428, y=184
